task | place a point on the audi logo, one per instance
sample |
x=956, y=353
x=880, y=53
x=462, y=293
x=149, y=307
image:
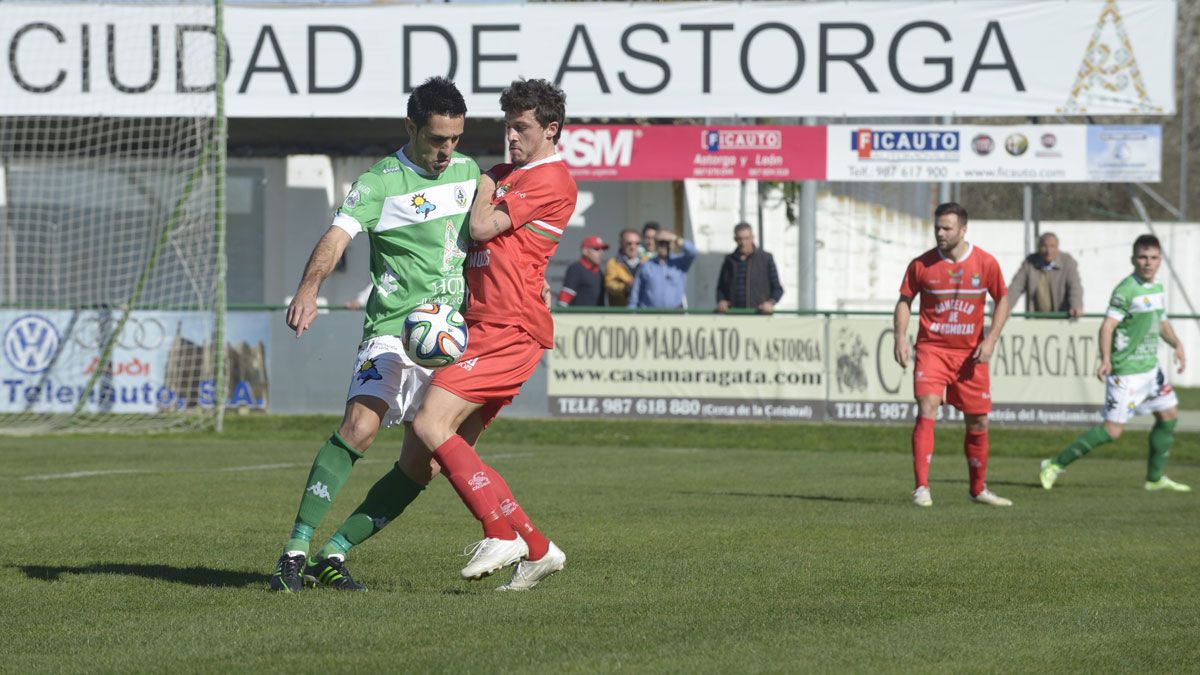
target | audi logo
x=94, y=332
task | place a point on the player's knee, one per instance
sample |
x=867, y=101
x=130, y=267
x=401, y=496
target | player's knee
x=358, y=433
x=1114, y=430
x=977, y=424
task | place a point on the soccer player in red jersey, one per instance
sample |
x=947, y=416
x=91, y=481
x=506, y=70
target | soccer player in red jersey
x=520, y=211
x=952, y=352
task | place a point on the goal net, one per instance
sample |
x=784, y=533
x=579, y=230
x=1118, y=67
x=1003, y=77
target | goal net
x=111, y=217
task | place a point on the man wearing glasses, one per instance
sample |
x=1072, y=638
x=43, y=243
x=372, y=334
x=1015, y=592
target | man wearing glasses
x=660, y=282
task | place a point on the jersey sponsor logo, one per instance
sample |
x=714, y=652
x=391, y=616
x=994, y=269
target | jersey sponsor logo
x=320, y=490
x=956, y=276
x=367, y=372
x=478, y=481
x=423, y=206
x=452, y=253
x=952, y=328
x=388, y=284
x=892, y=144
x=954, y=305
x=479, y=258
x=31, y=343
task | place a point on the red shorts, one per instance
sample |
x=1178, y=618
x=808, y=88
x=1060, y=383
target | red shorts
x=499, y=359
x=954, y=377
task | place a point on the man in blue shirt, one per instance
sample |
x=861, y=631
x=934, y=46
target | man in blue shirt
x=660, y=282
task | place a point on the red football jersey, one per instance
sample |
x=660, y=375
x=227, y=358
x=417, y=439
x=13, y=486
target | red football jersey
x=953, y=296
x=505, y=275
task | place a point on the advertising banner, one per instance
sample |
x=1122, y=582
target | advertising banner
x=670, y=152
x=859, y=58
x=50, y=356
x=1045, y=153
x=677, y=366
x=1042, y=373
x=802, y=368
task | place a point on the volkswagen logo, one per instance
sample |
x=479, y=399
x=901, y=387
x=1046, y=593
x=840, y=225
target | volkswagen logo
x=30, y=343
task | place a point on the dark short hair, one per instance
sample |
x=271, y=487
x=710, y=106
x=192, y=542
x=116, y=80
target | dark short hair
x=650, y=225
x=547, y=101
x=1146, y=241
x=1047, y=235
x=948, y=208
x=435, y=96
x=621, y=237
x=742, y=226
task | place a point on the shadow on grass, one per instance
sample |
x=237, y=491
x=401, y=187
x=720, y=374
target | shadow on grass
x=784, y=495
x=192, y=576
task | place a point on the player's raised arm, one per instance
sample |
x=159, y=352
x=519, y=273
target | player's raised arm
x=900, y=316
x=488, y=220
x=1168, y=335
x=302, y=310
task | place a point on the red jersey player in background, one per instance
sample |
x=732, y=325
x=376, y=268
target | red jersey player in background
x=517, y=220
x=952, y=352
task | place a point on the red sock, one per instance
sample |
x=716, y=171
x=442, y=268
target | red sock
x=922, y=449
x=538, y=544
x=466, y=473
x=975, y=445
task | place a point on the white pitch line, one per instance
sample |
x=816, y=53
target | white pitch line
x=507, y=455
x=82, y=474
x=253, y=467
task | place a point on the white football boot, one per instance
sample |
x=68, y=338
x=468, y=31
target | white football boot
x=921, y=497
x=491, y=555
x=991, y=499
x=528, y=573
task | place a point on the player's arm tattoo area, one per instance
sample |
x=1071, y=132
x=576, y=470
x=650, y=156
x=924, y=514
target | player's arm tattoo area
x=488, y=220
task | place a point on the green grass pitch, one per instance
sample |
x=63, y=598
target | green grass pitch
x=692, y=548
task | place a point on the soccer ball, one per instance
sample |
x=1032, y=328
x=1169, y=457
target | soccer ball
x=435, y=335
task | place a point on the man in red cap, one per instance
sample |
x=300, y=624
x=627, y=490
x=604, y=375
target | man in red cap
x=583, y=286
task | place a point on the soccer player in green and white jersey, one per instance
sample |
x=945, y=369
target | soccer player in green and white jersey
x=412, y=205
x=1135, y=382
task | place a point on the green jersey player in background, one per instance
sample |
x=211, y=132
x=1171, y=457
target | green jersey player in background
x=412, y=205
x=1135, y=383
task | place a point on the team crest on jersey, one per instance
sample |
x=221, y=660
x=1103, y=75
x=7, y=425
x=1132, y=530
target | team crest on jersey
x=367, y=371
x=502, y=190
x=422, y=205
x=460, y=196
x=976, y=280
x=351, y=199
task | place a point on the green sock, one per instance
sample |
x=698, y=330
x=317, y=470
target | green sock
x=385, y=501
x=329, y=471
x=1083, y=444
x=1162, y=437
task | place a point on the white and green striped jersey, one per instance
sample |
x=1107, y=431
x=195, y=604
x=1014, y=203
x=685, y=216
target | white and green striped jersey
x=1140, y=308
x=418, y=239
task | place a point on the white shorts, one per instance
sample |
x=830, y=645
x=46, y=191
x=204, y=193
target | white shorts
x=1140, y=394
x=383, y=370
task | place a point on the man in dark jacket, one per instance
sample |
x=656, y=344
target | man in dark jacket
x=583, y=285
x=748, y=276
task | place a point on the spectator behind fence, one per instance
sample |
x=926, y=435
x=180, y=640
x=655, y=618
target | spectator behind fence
x=661, y=281
x=619, y=270
x=582, y=285
x=1050, y=277
x=748, y=276
x=649, y=231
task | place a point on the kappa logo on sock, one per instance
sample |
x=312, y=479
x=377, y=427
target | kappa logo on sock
x=974, y=463
x=479, y=481
x=469, y=363
x=507, y=507
x=379, y=522
x=321, y=490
